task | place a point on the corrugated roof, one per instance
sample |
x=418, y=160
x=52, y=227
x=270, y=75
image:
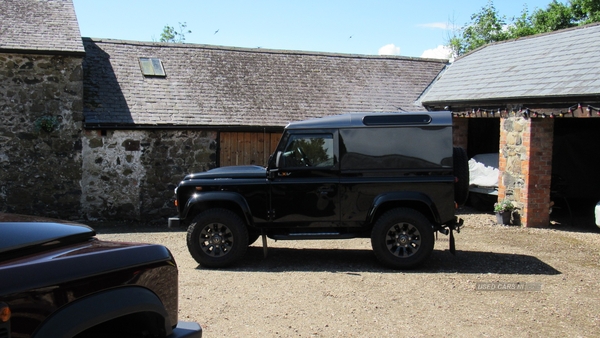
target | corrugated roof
x=559, y=64
x=39, y=26
x=219, y=86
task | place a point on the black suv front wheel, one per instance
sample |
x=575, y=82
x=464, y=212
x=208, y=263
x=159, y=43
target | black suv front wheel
x=217, y=238
x=402, y=238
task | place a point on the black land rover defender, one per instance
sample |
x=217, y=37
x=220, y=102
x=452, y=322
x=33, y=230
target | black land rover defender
x=391, y=177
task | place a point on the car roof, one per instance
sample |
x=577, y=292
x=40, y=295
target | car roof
x=383, y=119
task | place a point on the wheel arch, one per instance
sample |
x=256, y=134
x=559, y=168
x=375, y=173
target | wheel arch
x=218, y=199
x=101, y=307
x=403, y=199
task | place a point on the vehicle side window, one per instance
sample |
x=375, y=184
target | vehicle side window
x=395, y=148
x=308, y=151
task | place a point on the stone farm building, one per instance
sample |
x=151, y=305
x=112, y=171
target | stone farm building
x=104, y=129
x=128, y=119
x=41, y=108
x=213, y=106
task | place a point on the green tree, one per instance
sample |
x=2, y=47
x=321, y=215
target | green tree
x=522, y=25
x=170, y=34
x=586, y=11
x=488, y=25
x=556, y=16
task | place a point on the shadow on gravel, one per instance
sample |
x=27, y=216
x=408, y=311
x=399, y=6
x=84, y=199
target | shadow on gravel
x=353, y=262
x=487, y=262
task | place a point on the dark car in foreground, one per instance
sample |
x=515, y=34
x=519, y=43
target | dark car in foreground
x=59, y=280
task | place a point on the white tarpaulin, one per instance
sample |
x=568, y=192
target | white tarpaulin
x=483, y=170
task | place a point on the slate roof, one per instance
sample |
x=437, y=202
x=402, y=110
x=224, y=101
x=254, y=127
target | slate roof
x=39, y=26
x=219, y=86
x=563, y=64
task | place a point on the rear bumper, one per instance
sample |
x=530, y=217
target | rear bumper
x=186, y=330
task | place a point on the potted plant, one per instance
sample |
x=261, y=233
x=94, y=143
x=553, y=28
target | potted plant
x=503, y=211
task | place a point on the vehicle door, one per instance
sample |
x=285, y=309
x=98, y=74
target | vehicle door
x=304, y=181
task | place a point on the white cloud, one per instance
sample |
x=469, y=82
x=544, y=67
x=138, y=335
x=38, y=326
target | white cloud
x=390, y=49
x=438, y=25
x=440, y=52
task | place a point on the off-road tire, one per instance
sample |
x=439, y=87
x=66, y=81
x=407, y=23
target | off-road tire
x=217, y=238
x=402, y=238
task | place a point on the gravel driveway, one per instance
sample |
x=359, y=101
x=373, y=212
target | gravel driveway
x=548, y=280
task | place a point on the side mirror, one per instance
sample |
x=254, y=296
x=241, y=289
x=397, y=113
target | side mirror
x=274, y=160
x=273, y=167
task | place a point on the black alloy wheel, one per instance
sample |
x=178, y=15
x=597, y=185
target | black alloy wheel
x=402, y=238
x=217, y=238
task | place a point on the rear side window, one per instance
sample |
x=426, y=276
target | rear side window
x=396, y=148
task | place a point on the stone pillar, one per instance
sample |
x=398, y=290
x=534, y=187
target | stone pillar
x=526, y=167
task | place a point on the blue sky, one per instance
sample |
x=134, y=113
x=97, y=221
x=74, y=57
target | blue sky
x=408, y=28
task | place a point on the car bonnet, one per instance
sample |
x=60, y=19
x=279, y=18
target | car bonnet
x=21, y=235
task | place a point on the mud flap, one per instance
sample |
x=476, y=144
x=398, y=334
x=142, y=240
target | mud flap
x=264, y=240
x=451, y=240
x=450, y=231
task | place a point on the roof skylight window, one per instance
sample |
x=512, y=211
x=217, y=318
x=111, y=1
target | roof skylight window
x=152, y=67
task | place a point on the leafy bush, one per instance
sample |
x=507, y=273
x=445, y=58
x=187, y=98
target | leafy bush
x=505, y=205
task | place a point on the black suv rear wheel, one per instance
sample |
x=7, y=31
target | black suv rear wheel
x=217, y=238
x=402, y=238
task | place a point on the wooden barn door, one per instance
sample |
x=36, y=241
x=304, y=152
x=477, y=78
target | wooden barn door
x=241, y=148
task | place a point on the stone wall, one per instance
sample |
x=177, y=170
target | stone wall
x=40, y=134
x=131, y=174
